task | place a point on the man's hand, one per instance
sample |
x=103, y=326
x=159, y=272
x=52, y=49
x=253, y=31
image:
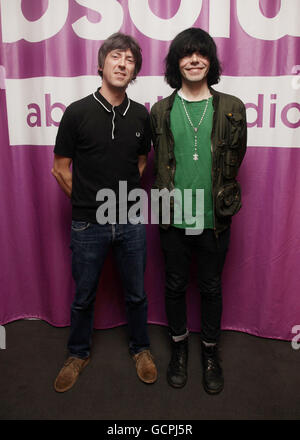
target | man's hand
x=142, y=162
x=62, y=173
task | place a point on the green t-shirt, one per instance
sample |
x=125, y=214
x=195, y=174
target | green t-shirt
x=192, y=174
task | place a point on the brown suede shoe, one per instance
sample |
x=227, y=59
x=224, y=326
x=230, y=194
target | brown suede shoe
x=69, y=373
x=145, y=367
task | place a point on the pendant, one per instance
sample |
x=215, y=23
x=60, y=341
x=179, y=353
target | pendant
x=195, y=129
x=195, y=156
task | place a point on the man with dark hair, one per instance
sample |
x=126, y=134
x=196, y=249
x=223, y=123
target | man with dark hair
x=106, y=136
x=199, y=136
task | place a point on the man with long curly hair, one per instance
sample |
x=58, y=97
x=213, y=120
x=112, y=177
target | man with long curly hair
x=199, y=137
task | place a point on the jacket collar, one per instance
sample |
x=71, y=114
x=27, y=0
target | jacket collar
x=122, y=108
x=171, y=99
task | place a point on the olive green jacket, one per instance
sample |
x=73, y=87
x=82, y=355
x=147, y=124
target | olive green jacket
x=228, y=147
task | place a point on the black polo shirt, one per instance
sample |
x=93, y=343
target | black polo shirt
x=104, y=143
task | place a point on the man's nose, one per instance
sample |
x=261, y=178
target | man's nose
x=194, y=58
x=122, y=61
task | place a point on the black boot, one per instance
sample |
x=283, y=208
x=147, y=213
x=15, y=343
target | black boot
x=177, y=369
x=213, y=380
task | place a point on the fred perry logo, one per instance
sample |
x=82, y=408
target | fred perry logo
x=138, y=134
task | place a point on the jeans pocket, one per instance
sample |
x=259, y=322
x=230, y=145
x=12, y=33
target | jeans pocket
x=79, y=226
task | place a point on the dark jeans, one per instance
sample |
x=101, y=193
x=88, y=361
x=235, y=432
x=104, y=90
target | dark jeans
x=90, y=244
x=178, y=249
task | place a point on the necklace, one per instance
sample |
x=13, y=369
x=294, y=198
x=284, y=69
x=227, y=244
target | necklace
x=195, y=155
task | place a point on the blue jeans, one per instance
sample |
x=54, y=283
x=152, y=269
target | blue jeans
x=90, y=244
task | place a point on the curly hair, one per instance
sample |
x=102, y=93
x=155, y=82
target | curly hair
x=185, y=43
x=122, y=42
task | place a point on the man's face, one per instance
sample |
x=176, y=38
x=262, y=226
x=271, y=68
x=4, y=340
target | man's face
x=194, y=67
x=118, y=69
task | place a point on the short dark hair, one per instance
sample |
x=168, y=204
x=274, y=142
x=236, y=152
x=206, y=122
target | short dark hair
x=185, y=43
x=122, y=42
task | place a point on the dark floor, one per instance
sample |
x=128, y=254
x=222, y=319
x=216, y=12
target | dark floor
x=262, y=379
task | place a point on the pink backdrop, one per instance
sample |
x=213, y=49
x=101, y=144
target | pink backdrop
x=261, y=275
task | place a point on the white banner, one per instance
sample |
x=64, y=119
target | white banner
x=35, y=105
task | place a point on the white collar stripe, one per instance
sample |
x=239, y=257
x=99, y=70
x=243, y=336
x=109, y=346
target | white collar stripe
x=101, y=103
x=127, y=107
x=112, y=110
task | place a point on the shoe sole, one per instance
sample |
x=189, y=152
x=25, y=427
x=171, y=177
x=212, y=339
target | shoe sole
x=63, y=390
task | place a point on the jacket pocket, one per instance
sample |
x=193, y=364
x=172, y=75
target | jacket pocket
x=234, y=129
x=228, y=200
x=230, y=163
